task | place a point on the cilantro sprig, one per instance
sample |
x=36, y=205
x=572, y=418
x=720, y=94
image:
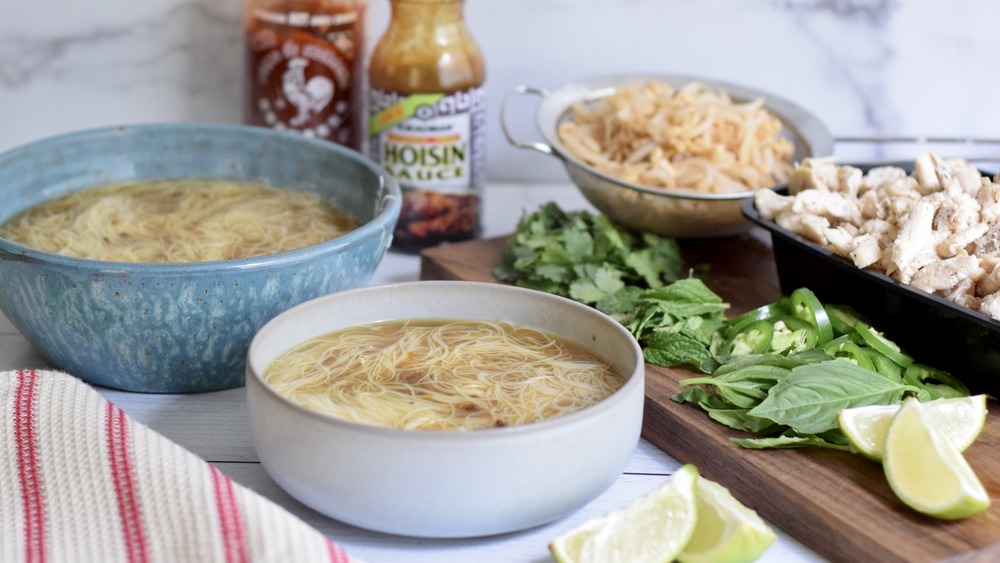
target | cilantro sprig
x=636, y=278
x=585, y=257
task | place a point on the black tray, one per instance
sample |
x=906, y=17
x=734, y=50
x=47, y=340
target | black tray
x=934, y=331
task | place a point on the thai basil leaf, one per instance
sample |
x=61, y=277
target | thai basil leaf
x=808, y=399
x=785, y=442
x=721, y=412
x=744, y=388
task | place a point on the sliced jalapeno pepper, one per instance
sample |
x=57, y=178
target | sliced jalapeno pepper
x=806, y=306
x=792, y=334
x=843, y=348
x=753, y=338
x=740, y=322
x=940, y=384
x=884, y=346
x=843, y=318
x=884, y=365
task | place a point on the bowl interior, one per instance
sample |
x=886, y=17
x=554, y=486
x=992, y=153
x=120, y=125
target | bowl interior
x=53, y=167
x=448, y=300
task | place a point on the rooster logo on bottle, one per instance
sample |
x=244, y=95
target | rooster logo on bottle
x=308, y=96
x=299, y=90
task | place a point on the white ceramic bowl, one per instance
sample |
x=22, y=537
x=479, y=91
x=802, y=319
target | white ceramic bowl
x=445, y=483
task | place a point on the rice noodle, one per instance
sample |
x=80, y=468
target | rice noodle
x=692, y=138
x=442, y=375
x=190, y=220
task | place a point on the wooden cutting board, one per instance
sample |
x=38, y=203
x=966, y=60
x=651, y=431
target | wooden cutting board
x=837, y=503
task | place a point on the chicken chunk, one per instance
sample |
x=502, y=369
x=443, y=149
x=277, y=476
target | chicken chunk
x=813, y=174
x=943, y=275
x=834, y=206
x=770, y=204
x=865, y=250
x=813, y=227
x=937, y=228
x=990, y=305
x=914, y=248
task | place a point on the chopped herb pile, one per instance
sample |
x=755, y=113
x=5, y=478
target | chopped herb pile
x=585, y=257
x=785, y=370
x=780, y=372
x=634, y=278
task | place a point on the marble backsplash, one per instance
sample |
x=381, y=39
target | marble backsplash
x=866, y=68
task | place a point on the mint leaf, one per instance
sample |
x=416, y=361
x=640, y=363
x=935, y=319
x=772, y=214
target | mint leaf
x=672, y=349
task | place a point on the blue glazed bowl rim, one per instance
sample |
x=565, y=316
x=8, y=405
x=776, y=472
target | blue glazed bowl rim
x=381, y=223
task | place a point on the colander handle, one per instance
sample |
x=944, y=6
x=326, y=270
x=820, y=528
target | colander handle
x=517, y=91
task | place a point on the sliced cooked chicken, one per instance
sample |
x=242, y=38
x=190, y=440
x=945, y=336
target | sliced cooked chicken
x=916, y=240
x=839, y=240
x=813, y=173
x=770, y=204
x=964, y=294
x=833, y=205
x=990, y=305
x=937, y=228
x=944, y=275
x=865, y=250
x=812, y=227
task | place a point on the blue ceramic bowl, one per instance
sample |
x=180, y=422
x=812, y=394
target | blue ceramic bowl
x=168, y=328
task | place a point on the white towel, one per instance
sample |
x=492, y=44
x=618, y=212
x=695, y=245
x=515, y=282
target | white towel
x=81, y=481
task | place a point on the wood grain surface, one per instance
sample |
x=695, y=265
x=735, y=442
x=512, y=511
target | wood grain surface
x=837, y=503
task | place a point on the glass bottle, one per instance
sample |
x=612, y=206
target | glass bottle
x=427, y=117
x=304, y=68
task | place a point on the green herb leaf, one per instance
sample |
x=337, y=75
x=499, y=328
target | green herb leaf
x=808, y=399
x=744, y=388
x=673, y=349
x=785, y=442
x=719, y=411
x=583, y=256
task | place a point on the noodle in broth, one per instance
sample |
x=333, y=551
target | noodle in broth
x=442, y=375
x=189, y=220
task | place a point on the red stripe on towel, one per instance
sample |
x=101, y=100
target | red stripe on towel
x=132, y=528
x=337, y=553
x=230, y=520
x=28, y=466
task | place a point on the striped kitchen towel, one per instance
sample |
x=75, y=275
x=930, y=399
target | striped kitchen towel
x=81, y=481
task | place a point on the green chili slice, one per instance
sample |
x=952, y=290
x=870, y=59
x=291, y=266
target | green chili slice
x=884, y=365
x=940, y=384
x=738, y=323
x=792, y=334
x=843, y=318
x=843, y=348
x=885, y=346
x=806, y=306
x=753, y=338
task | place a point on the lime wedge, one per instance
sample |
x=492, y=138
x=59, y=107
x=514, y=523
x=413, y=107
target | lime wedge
x=926, y=470
x=653, y=528
x=960, y=419
x=726, y=530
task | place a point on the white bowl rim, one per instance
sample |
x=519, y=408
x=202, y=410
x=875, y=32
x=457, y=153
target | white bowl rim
x=637, y=378
x=388, y=189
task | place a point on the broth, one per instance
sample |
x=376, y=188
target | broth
x=189, y=220
x=442, y=375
